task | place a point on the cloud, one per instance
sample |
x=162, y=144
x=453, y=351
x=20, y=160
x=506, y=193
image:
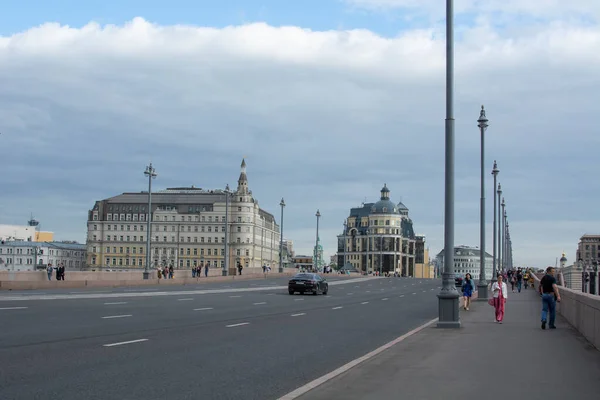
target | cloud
x=323, y=117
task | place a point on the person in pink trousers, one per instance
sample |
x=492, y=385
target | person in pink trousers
x=500, y=291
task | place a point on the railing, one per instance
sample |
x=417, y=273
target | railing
x=581, y=310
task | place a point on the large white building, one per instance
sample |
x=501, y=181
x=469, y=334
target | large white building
x=466, y=261
x=188, y=229
x=17, y=232
x=29, y=256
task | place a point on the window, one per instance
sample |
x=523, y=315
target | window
x=239, y=240
x=95, y=237
x=108, y=227
x=109, y=217
x=247, y=253
x=95, y=227
x=239, y=228
x=239, y=209
x=187, y=252
x=181, y=263
x=195, y=252
x=210, y=228
x=239, y=219
x=238, y=252
x=222, y=229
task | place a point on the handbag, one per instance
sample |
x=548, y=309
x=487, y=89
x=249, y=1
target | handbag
x=491, y=301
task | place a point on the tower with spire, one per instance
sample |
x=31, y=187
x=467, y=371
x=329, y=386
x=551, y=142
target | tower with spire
x=242, y=188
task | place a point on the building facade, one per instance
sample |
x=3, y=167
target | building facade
x=28, y=256
x=588, y=250
x=187, y=229
x=466, y=261
x=28, y=233
x=304, y=263
x=423, y=267
x=379, y=237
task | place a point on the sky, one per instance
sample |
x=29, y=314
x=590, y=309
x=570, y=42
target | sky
x=326, y=99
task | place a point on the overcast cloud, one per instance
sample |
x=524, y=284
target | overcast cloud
x=324, y=118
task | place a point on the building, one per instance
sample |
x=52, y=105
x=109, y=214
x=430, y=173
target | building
x=588, y=250
x=28, y=233
x=303, y=262
x=423, y=268
x=188, y=229
x=466, y=261
x=28, y=256
x=379, y=237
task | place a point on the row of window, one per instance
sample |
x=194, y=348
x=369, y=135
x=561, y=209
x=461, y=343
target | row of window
x=157, y=228
x=30, y=261
x=182, y=252
x=52, y=252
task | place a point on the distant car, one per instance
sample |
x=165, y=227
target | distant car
x=458, y=280
x=306, y=282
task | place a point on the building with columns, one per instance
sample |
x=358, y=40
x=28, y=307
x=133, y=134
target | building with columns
x=379, y=237
x=188, y=229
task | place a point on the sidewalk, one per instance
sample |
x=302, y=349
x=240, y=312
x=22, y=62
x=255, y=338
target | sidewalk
x=482, y=359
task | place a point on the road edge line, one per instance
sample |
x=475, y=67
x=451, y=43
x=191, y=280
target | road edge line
x=333, y=374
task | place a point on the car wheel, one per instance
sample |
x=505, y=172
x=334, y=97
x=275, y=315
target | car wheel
x=291, y=292
x=326, y=290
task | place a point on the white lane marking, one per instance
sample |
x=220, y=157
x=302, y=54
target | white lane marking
x=381, y=289
x=368, y=291
x=384, y=299
x=236, y=325
x=365, y=302
x=122, y=343
x=324, y=378
x=432, y=289
x=270, y=294
x=262, y=302
x=337, y=308
x=155, y=292
x=298, y=299
x=299, y=314
x=185, y=299
x=413, y=293
x=233, y=297
x=424, y=291
x=203, y=309
x=356, y=286
x=349, y=294
x=13, y=308
x=115, y=303
x=91, y=291
x=117, y=316
x=401, y=295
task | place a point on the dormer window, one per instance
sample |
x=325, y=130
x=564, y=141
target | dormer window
x=384, y=209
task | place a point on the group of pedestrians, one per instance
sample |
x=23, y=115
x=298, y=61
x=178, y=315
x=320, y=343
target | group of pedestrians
x=548, y=290
x=60, y=272
x=166, y=272
x=197, y=271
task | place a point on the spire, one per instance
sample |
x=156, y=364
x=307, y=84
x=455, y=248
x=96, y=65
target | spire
x=243, y=179
x=385, y=192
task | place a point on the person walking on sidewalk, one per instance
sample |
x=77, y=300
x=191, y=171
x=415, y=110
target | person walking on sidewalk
x=467, y=290
x=550, y=295
x=500, y=291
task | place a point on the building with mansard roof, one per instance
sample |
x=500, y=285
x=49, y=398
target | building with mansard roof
x=188, y=229
x=379, y=237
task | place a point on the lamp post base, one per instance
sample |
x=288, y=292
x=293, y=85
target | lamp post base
x=448, y=309
x=482, y=291
x=146, y=275
x=224, y=272
x=281, y=270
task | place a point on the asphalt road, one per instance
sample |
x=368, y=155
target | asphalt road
x=224, y=343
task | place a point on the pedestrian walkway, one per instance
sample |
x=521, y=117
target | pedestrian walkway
x=482, y=359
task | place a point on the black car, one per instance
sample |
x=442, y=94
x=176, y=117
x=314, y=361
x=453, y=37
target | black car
x=306, y=282
x=458, y=280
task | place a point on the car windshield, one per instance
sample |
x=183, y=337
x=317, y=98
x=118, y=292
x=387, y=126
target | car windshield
x=304, y=276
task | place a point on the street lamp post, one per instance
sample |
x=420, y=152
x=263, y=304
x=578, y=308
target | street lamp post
x=345, y=240
x=502, y=226
x=482, y=292
x=150, y=172
x=282, y=204
x=225, y=270
x=318, y=215
x=499, y=211
x=448, y=296
x=495, y=172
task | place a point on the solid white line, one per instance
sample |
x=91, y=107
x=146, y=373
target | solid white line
x=203, y=309
x=337, y=308
x=384, y=299
x=115, y=302
x=321, y=380
x=299, y=314
x=233, y=297
x=117, y=316
x=185, y=299
x=240, y=324
x=262, y=302
x=365, y=302
x=122, y=343
x=13, y=308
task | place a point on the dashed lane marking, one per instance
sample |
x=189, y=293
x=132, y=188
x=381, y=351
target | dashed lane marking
x=13, y=308
x=298, y=315
x=401, y=295
x=114, y=303
x=298, y=299
x=203, y=309
x=122, y=343
x=384, y=299
x=236, y=325
x=117, y=316
x=365, y=302
x=337, y=308
x=185, y=299
x=234, y=297
x=261, y=303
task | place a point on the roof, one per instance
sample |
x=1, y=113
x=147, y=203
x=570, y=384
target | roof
x=54, y=245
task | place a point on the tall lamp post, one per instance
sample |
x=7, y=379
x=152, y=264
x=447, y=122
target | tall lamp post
x=500, y=253
x=482, y=292
x=282, y=204
x=345, y=240
x=150, y=172
x=318, y=215
x=225, y=270
x=504, y=255
x=448, y=296
x=495, y=172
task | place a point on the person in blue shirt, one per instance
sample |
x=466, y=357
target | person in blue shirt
x=467, y=290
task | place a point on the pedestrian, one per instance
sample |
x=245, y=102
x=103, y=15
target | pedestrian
x=171, y=272
x=513, y=282
x=193, y=272
x=49, y=271
x=500, y=291
x=550, y=295
x=206, y=269
x=239, y=267
x=467, y=291
x=519, y=279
